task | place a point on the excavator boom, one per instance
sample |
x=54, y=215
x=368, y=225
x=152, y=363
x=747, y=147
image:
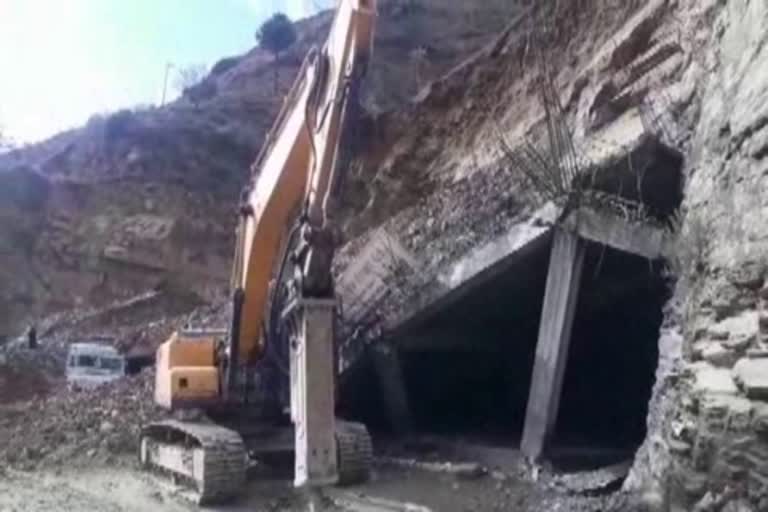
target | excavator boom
x=296, y=167
x=287, y=198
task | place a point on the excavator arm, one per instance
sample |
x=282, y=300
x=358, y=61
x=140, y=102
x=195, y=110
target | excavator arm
x=295, y=172
x=287, y=199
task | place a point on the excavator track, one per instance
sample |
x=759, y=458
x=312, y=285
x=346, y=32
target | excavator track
x=208, y=459
x=354, y=450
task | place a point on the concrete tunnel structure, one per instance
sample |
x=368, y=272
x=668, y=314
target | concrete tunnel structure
x=544, y=338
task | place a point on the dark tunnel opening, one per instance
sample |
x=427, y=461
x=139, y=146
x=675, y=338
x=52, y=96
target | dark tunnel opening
x=467, y=367
x=467, y=363
x=478, y=383
x=613, y=356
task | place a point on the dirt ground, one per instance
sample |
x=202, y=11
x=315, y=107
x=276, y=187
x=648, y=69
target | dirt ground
x=75, y=451
x=125, y=489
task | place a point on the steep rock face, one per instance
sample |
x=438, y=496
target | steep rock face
x=719, y=447
x=690, y=74
x=436, y=179
x=454, y=127
x=138, y=198
x=76, y=245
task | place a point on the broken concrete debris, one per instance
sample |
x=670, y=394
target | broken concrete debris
x=461, y=470
x=72, y=428
x=594, y=482
x=361, y=502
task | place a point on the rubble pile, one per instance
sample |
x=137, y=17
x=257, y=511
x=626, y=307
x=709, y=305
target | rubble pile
x=133, y=339
x=72, y=427
x=42, y=423
x=25, y=374
x=45, y=424
x=409, y=253
x=133, y=332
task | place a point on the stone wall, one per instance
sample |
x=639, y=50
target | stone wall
x=714, y=437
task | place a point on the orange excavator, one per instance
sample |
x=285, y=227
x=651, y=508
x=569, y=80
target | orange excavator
x=268, y=380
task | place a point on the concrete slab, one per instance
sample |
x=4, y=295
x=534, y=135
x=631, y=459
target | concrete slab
x=481, y=266
x=611, y=230
x=364, y=281
x=484, y=258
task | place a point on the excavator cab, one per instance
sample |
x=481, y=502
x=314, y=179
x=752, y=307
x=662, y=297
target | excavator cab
x=187, y=370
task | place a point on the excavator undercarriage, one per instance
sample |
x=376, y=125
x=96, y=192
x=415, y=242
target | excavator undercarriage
x=208, y=451
x=211, y=461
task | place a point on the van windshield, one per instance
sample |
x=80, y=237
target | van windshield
x=96, y=362
x=86, y=361
x=110, y=363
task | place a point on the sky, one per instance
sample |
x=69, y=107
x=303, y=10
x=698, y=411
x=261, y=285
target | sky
x=62, y=61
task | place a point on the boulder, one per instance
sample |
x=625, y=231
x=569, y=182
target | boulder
x=764, y=292
x=760, y=419
x=763, y=322
x=751, y=375
x=749, y=275
x=737, y=332
x=712, y=381
x=717, y=355
x=739, y=505
x=761, y=352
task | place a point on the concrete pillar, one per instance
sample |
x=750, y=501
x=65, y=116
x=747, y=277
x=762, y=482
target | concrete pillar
x=386, y=361
x=560, y=298
x=313, y=407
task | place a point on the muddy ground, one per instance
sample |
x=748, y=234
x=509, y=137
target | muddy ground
x=123, y=487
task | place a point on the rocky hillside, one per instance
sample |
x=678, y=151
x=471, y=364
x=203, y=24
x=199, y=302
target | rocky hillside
x=140, y=198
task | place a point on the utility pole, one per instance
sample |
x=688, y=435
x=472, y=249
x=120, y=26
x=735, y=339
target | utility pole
x=168, y=66
x=315, y=6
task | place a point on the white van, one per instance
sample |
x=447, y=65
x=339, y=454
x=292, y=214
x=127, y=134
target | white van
x=92, y=364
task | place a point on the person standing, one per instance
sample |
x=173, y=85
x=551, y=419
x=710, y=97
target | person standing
x=32, y=337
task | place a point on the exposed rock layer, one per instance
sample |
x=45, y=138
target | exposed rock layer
x=139, y=198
